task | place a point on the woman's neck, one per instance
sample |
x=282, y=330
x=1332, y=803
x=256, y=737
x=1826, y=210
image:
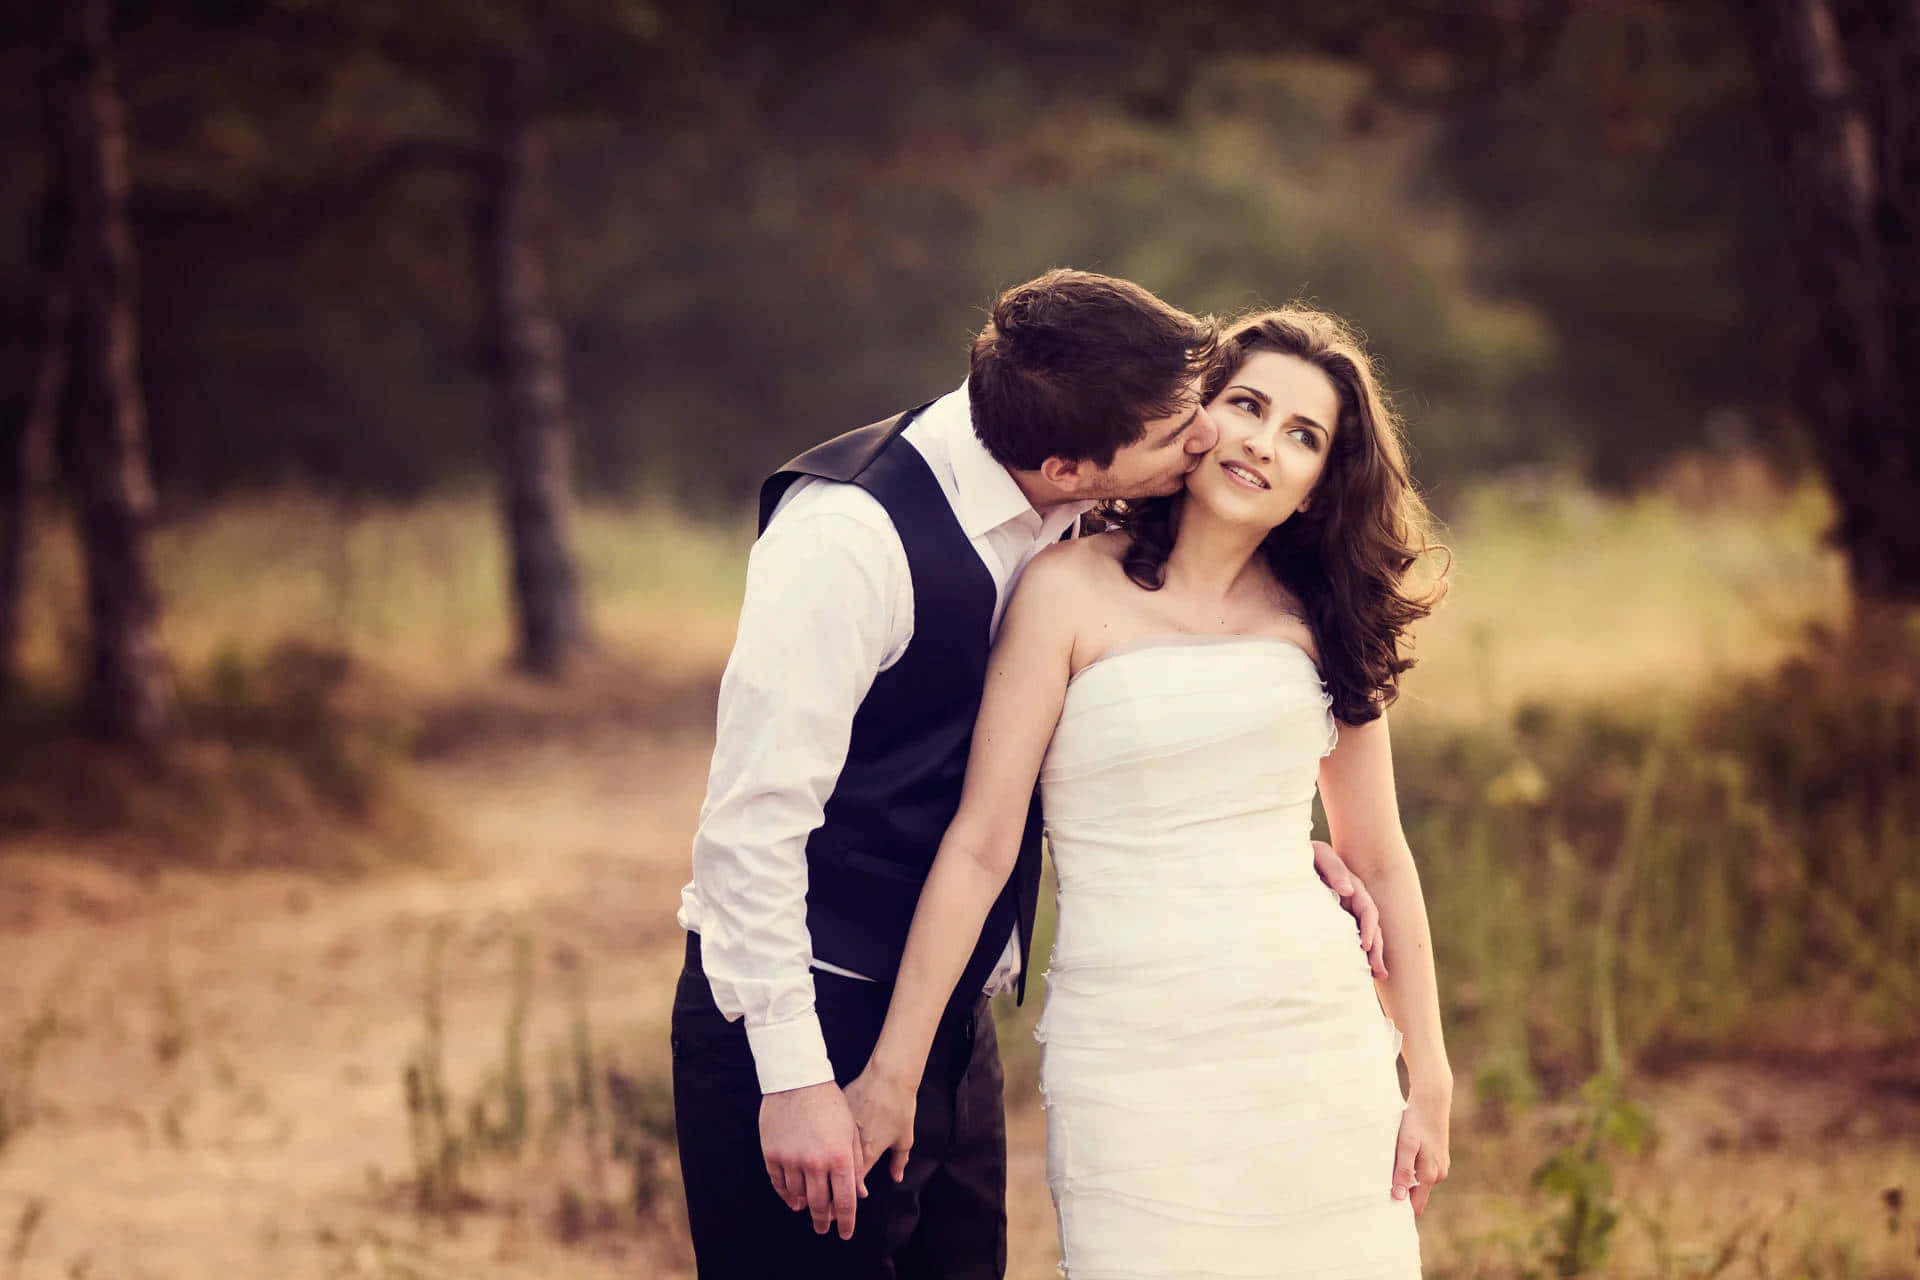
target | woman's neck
x=1210, y=556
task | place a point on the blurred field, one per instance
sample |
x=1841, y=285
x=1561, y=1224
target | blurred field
x=420, y=587
x=1672, y=885
x=1561, y=595
x=1557, y=592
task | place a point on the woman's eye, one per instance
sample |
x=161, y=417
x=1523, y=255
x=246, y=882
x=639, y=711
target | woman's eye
x=1248, y=403
x=1306, y=437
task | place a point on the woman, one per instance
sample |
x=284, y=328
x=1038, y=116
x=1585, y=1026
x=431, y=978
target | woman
x=1220, y=1084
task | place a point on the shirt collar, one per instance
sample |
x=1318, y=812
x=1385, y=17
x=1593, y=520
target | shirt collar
x=985, y=494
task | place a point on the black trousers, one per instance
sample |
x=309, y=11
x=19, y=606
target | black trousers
x=946, y=1220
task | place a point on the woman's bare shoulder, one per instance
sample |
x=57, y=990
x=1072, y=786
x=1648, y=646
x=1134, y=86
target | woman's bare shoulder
x=1079, y=558
x=1109, y=545
x=1073, y=572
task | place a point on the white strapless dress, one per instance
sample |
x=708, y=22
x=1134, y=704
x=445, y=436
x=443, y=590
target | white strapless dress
x=1221, y=1094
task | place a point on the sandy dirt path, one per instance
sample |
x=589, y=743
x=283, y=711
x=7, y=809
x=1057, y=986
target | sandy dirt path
x=221, y=1095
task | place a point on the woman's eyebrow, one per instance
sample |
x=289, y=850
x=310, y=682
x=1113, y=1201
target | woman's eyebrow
x=1266, y=401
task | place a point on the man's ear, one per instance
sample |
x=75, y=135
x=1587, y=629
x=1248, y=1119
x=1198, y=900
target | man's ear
x=1066, y=474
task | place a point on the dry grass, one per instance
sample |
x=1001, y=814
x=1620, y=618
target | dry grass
x=1559, y=595
x=419, y=586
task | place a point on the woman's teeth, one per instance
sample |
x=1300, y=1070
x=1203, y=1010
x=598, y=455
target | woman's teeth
x=1245, y=476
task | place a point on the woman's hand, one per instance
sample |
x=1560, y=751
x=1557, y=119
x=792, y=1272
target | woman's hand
x=883, y=1107
x=1420, y=1157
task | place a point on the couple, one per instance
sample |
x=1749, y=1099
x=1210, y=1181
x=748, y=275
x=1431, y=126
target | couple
x=1220, y=1083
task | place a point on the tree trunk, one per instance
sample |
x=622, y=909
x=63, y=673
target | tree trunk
x=104, y=448
x=522, y=346
x=38, y=385
x=1841, y=80
x=23, y=464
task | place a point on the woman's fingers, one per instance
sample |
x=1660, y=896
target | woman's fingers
x=1430, y=1170
x=901, y=1151
x=866, y=1151
x=1419, y=1199
x=1403, y=1156
x=882, y=1127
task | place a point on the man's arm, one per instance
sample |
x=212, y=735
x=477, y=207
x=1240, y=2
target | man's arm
x=820, y=617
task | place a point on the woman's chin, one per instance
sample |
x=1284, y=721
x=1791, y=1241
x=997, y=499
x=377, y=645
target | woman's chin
x=1225, y=508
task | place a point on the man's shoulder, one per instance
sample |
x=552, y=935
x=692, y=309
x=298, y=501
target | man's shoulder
x=815, y=498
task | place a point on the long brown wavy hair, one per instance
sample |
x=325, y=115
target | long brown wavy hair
x=1347, y=556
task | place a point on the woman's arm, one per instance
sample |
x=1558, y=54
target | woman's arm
x=1026, y=685
x=1363, y=820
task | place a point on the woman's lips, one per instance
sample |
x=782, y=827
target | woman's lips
x=1242, y=474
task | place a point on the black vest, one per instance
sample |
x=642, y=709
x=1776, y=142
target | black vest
x=907, y=757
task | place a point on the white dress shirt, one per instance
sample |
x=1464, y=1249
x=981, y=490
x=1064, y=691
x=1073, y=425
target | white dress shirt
x=828, y=606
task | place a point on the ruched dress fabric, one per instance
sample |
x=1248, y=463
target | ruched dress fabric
x=1219, y=1079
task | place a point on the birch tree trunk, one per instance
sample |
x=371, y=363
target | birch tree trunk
x=103, y=448
x=523, y=350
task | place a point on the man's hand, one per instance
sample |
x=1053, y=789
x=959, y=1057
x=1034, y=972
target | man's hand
x=812, y=1150
x=1358, y=902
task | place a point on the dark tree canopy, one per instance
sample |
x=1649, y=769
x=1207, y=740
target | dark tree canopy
x=1564, y=225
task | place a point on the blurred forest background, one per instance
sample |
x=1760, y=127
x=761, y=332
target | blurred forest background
x=383, y=389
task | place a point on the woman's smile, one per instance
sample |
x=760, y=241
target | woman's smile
x=1242, y=474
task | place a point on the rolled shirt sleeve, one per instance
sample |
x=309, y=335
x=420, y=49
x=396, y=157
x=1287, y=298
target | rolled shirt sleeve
x=825, y=587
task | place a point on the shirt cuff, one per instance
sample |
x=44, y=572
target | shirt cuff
x=790, y=1054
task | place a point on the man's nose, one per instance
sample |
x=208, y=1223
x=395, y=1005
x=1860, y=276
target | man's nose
x=1204, y=434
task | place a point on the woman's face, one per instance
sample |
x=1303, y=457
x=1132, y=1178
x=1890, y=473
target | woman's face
x=1276, y=417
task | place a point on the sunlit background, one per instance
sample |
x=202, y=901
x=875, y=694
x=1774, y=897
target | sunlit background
x=385, y=389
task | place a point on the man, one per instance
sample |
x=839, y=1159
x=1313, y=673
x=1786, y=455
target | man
x=885, y=560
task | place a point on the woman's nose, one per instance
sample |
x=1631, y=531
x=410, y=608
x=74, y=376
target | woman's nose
x=1259, y=444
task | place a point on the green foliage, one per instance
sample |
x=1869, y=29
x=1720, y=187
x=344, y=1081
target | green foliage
x=1579, y=1175
x=1753, y=858
x=766, y=229
x=1630, y=165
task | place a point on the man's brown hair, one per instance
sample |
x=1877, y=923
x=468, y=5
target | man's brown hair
x=1075, y=365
